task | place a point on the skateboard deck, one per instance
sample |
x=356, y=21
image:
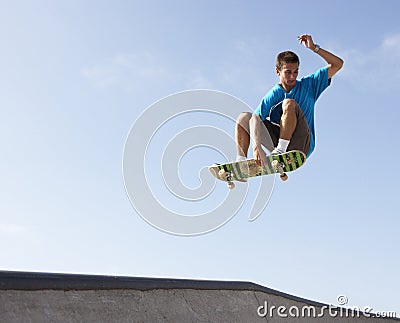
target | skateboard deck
x=276, y=164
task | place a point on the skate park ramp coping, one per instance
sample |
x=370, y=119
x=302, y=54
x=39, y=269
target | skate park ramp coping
x=53, y=297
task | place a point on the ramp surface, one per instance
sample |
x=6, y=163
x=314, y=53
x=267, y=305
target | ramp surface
x=44, y=297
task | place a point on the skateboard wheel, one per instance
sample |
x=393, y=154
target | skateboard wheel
x=275, y=163
x=226, y=176
x=284, y=177
x=231, y=185
x=221, y=172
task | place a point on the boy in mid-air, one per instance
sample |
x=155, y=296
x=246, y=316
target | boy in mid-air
x=284, y=120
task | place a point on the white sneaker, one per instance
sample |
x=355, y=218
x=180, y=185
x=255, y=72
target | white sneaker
x=277, y=151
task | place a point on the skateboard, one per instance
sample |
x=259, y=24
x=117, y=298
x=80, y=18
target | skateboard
x=276, y=164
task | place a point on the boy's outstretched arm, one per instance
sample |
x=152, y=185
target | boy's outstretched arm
x=334, y=63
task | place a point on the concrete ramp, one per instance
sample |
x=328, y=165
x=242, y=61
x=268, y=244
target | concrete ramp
x=44, y=297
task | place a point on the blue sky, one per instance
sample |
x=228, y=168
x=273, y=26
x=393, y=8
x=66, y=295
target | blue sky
x=75, y=75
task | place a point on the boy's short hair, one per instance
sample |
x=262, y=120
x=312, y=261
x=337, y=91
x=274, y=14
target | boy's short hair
x=286, y=57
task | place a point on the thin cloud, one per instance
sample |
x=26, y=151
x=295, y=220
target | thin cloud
x=144, y=65
x=126, y=70
x=12, y=229
x=198, y=80
x=101, y=77
x=240, y=66
x=376, y=67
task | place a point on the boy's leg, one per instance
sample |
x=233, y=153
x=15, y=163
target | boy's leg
x=242, y=134
x=269, y=135
x=294, y=133
x=272, y=133
x=288, y=119
x=300, y=137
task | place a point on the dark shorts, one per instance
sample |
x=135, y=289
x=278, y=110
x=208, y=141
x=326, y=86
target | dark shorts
x=301, y=136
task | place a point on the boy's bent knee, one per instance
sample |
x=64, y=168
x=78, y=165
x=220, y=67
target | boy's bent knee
x=290, y=106
x=244, y=117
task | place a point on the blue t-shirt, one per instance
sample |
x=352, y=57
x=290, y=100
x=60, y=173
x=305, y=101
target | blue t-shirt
x=306, y=92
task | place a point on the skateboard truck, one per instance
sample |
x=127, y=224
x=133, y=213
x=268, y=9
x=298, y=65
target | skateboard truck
x=279, y=169
x=226, y=176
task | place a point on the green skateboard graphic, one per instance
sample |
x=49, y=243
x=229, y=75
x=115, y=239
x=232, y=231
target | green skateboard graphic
x=276, y=164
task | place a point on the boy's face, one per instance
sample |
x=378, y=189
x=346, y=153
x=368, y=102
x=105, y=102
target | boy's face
x=288, y=75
